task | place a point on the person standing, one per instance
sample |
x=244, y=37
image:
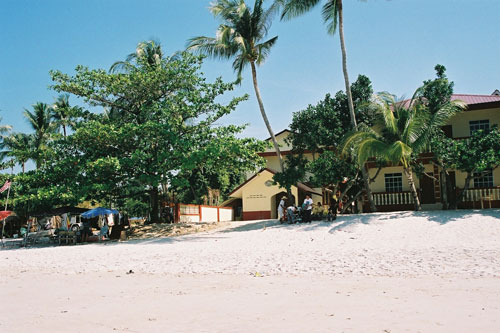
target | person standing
x=281, y=209
x=307, y=205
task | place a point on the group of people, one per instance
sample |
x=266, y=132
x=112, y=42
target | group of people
x=303, y=214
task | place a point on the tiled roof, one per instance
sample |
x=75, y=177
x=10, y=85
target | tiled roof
x=475, y=99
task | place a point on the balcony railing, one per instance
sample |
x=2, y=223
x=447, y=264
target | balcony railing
x=393, y=198
x=483, y=195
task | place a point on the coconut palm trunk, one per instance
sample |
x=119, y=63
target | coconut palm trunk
x=264, y=116
x=409, y=175
x=350, y=104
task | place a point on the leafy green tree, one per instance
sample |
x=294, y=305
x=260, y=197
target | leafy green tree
x=435, y=94
x=333, y=16
x=320, y=129
x=166, y=127
x=477, y=156
x=296, y=167
x=44, y=127
x=241, y=37
x=403, y=130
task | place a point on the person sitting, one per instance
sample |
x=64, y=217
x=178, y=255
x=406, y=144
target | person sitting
x=332, y=210
x=291, y=214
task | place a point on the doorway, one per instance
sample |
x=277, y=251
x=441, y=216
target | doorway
x=427, y=195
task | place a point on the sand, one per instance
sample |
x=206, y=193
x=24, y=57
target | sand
x=385, y=272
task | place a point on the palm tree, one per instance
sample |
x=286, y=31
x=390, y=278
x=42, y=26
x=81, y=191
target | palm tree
x=62, y=112
x=42, y=123
x=241, y=37
x=4, y=130
x=333, y=16
x=147, y=53
x=402, y=129
x=19, y=147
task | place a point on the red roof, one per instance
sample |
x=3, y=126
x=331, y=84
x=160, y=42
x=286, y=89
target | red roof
x=475, y=99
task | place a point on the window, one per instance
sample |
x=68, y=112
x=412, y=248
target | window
x=486, y=180
x=393, y=182
x=475, y=125
x=448, y=131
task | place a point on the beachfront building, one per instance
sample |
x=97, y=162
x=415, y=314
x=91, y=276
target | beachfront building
x=258, y=197
x=392, y=192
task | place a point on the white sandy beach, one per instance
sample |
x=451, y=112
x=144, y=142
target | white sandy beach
x=386, y=272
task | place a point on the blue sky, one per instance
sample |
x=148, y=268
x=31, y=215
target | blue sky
x=395, y=43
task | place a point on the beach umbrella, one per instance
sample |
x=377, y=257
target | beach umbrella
x=98, y=212
x=4, y=214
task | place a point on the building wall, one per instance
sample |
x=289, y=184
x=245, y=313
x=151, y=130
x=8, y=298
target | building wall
x=257, y=196
x=273, y=163
x=281, y=142
x=379, y=184
x=460, y=122
x=460, y=178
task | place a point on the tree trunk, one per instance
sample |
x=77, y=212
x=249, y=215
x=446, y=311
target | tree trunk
x=444, y=189
x=349, y=101
x=264, y=116
x=344, y=66
x=409, y=174
x=154, y=204
x=64, y=130
x=460, y=197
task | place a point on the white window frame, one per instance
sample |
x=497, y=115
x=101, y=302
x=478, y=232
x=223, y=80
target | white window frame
x=393, y=182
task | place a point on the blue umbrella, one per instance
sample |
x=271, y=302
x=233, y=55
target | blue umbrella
x=98, y=212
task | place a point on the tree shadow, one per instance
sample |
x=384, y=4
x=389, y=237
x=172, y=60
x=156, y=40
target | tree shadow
x=446, y=216
x=250, y=226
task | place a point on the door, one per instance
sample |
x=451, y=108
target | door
x=452, y=187
x=427, y=190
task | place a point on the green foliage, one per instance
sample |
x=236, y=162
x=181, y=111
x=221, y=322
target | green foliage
x=437, y=92
x=478, y=153
x=241, y=34
x=321, y=129
x=330, y=10
x=402, y=129
x=41, y=121
x=160, y=126
x=325, y=124
x=295, y=171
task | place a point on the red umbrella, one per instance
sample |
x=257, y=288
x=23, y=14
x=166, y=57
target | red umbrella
x=4, y=214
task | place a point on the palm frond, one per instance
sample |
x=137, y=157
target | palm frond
x=387, y=104
x=371, y=147
x=264, y=49
x=294, y=8
x=398, y=151
x=330, y=15
x=212, y=47
x=239, y=64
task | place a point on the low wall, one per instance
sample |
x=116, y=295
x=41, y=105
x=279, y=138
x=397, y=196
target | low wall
x=200, y=213
x=225, y=214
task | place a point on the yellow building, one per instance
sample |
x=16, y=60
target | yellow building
x=392, y=192
x=258, y=198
